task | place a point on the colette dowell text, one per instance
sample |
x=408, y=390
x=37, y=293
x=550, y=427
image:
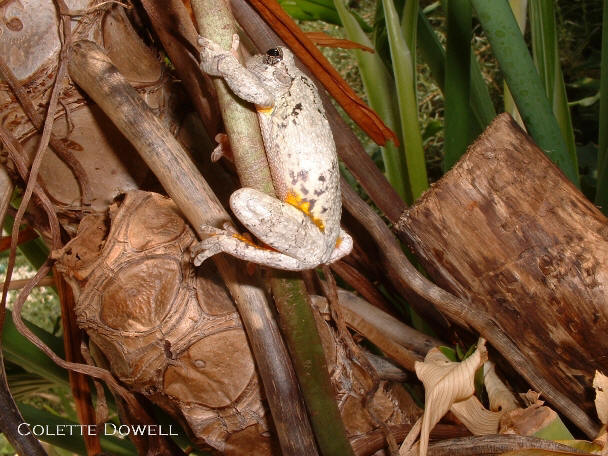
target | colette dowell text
x=92, y=429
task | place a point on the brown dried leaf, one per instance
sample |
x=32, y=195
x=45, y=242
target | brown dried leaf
x=527, y=421
x=323, y=39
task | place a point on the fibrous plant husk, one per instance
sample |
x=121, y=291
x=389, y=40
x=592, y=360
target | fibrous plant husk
x=88, y=162
x=171, y=333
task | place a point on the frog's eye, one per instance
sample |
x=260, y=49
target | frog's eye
x=273, y=56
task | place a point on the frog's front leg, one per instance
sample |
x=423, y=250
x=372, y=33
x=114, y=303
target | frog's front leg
x=219, y=62
x=295, y=242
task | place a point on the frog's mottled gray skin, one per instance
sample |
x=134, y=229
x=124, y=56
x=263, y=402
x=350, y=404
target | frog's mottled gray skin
x=303, y=225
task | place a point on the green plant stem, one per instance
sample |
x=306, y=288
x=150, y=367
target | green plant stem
x=601, y=195
x=520, y=11
x=404, y=66
x=297, y=323
x=482, y=110
x=518, y=68
x=457, y=79
x=291, y=299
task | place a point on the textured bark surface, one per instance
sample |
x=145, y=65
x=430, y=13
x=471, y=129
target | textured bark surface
x=89, y=162
x=171, y=332
x=506, y=230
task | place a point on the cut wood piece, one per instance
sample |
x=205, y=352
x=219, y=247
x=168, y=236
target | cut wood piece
x=507, y=231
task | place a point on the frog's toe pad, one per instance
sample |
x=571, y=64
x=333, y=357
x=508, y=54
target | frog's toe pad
x=211, y=230
x=200, y=251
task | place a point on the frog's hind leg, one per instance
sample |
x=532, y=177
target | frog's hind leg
x=282, y=226
x=236, y=246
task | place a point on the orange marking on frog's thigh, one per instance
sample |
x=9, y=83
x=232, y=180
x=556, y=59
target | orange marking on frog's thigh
x=300, y=203
x=338, y=242
x=246, y=238
x=264, y=109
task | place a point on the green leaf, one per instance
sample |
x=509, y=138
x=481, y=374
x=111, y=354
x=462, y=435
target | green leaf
x=432, y=52
x=35, y=251
x=402, y=43
x=457, y=81
x=546, y=58
x=379, y=87
x=311, y=10
x=555, y=430
x=526, y=87
x=18, y=350
x=449, y=353
x=601, y=195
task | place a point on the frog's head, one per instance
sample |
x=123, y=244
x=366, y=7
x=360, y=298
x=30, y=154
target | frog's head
x=276, y=68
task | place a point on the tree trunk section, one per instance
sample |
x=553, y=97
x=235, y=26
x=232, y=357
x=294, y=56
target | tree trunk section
x=506, y=230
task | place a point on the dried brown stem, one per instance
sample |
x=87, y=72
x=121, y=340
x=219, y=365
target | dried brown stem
x=370, y=443
x=10, y=418
x=497, y=444
x=16, y=154
x=25, y=235
x=42, y=145
x=6, y=193
x=175, y=29
x=79, y=383
x=398, y=341
x=361, y=284
x=47, y=281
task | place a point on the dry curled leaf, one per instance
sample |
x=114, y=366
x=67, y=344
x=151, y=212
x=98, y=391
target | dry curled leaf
x=527, y=421
x=445, y=382
x=501, y=398
x=600, y=383
x=477, y=419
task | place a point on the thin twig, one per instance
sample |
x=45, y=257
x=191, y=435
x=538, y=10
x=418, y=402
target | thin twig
x=47, y=281
x=101, y=410
x=93, y=9
x=10, y=418
x=497, y=444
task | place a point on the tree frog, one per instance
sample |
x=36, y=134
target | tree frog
x=300, y=229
